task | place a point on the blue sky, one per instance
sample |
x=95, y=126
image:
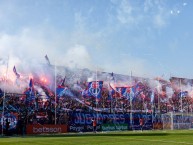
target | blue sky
x=148, y=37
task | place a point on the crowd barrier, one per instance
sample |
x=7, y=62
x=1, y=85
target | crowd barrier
x=82, y=122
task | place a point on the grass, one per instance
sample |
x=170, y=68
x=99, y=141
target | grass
x=178, y=137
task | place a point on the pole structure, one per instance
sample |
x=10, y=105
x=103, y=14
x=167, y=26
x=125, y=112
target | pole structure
x=96, y=101
x=181, y=95
x=3, y=111
x=131, y=107
x=55, y=92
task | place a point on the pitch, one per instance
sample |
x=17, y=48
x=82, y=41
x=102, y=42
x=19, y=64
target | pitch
x=106, y=138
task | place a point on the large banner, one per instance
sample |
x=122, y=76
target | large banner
x=46, y=129
x=114, y=127
x=86, y=118
x=147, y=121
x=82, y=122
x=12, y=119
x=82, y=128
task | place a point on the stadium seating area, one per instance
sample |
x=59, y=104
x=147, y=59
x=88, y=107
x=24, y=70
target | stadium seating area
x=105, y=96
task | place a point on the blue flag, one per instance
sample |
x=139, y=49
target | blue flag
x=95, y=89
x=126, y=92
x=1, y=93
x=30, y=93
x=61, y=91
x=123, y=92
x=183, y=94
x=119, y=91
x=31, y=85
x=137, y=89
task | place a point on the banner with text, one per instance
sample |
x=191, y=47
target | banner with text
x=46, y=129
x=114, y=127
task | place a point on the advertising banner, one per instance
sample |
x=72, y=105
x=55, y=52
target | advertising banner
x=82, y=121
x=82, y=128
x=114, y=127
x=46, y=129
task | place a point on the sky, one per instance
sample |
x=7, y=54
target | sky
x=149, y=38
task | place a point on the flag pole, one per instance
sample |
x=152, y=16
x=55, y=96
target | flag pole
x=152, y=106
x=158, y=99
x=96, y=97
x=3, y=110
x=181, y=94
x=55, y=93
x=181, y=99
x=131, y=107
x=109, y=87
x=112, y=78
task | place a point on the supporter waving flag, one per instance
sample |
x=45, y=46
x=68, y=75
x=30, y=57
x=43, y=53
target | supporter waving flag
x=95, y=89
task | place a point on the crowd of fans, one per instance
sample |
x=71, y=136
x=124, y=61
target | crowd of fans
x=45, y=111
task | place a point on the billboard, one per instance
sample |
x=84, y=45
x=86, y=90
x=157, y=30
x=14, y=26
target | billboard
x=46, y=129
